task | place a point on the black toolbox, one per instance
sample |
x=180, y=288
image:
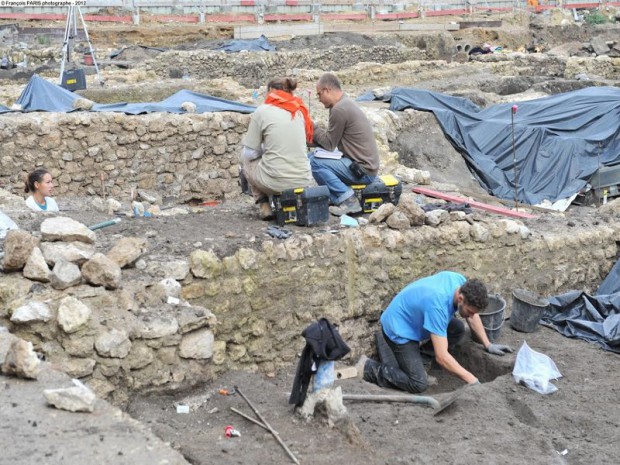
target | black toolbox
x=303, y=206
x=74, y=79
x=386, y=190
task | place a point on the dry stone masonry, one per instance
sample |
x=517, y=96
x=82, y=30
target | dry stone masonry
x=178, y=325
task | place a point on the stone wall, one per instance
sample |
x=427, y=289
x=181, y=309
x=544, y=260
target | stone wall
x=182, y=156
x=254, y=69
x=247, y=310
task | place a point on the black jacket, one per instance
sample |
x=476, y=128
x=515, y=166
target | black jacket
x=323, y=342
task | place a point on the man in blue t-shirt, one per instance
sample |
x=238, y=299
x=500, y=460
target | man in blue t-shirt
x=425, y=310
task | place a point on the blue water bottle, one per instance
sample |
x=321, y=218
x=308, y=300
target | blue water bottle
x=324, y=376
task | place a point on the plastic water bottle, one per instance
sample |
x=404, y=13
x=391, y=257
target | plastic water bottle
x=324, y=376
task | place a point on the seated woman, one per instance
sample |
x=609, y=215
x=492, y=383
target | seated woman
x=274, y=148
x=39, y=182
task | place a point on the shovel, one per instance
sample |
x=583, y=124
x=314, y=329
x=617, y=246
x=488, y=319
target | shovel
x=438, y=405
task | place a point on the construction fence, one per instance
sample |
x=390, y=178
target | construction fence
x=265, y=11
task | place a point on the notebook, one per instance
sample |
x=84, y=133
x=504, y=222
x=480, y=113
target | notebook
x=322, y=153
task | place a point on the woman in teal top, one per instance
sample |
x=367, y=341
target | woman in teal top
x=39, y=182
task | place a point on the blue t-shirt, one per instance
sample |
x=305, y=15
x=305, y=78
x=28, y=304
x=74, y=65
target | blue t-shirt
x=423, y=307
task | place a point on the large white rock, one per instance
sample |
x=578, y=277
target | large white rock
x=153, y=327
x=73, y=315
x=175, y=269
x=197, y=345
x=21, y=360
x=127, y=250
x=114, y=343
x=65, y=275
x=78, y=398
x=36, y=268
x=169, y=287
x=6, y=339
x=18, y=246
x=101, y=271
x=74, y=252
x=66, y=229
x=31, y=312
x=398, y=220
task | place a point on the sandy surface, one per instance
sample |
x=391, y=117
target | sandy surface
x=496, y=422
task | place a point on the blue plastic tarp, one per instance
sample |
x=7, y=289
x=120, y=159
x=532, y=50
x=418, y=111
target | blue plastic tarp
x=559, y=141
x=42, y=95
x=239, y=45
x=4, y=109
x=204, y=104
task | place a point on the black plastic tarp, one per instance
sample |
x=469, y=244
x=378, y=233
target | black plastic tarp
x=559, y=140
x=239, y=45
x=611, y=284
x=42, y=95
x=595, y=319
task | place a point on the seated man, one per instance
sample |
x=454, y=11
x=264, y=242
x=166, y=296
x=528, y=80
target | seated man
x=423, y=310
x=350, y=132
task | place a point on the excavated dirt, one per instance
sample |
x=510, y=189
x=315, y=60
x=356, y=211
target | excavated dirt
x=496, y=422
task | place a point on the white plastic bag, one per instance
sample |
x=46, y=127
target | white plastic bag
x=6, y=224
x=535, y=370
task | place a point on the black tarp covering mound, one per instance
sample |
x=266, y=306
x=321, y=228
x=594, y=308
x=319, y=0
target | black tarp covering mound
x=595, y=319
x=611, y=284
x=559, y=140
x=42, y=95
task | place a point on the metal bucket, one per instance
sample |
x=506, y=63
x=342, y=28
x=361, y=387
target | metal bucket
x=527, y=310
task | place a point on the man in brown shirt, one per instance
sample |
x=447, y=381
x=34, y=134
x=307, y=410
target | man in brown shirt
x=350, y=132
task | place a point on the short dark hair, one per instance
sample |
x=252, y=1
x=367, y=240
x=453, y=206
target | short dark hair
x=286, y=84
x=35, y=176
x=330, y=81
x=475, y=293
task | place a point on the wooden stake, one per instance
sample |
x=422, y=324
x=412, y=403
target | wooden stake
x=271, y=430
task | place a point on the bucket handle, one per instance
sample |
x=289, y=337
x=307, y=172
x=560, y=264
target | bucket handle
x=493, y=329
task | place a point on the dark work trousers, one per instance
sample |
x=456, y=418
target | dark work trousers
x=404, y=368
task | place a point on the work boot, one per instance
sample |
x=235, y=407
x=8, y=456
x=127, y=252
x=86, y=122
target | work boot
x=359, y=366
x=348, y=207
x=265, y=211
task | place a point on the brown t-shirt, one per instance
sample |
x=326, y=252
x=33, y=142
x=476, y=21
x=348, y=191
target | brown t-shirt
x=350, y=131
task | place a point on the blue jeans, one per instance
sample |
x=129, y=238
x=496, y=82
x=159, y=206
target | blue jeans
x=337, y=176
x=405, y=370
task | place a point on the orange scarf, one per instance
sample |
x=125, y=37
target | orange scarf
x=292, y=104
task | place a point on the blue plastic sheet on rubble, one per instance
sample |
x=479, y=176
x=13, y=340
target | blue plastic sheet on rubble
x=4, y=109
x=42, y=95
x=559, y=140
x=239, y=45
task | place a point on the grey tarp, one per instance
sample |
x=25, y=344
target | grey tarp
x=42, y=95
x=559, y=140
x=611, y=284
x=595, y=319
x=238, y=45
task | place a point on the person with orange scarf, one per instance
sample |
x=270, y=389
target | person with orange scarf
x=274, y=154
